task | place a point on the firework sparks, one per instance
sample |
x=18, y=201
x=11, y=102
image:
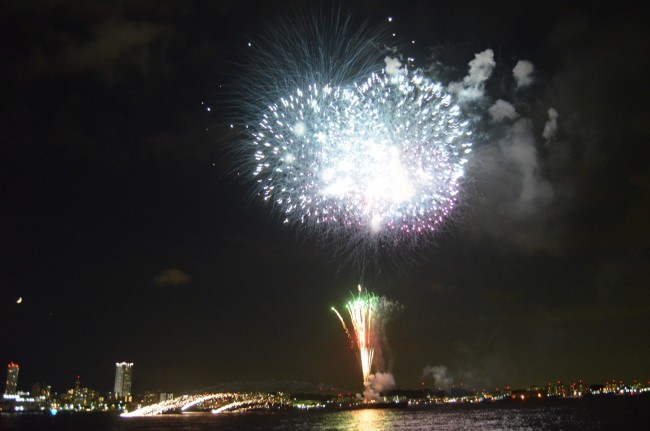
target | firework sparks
x=375, y=156
x=383, y=157
x=345, y=327
x=369, y=315
x=362, y=313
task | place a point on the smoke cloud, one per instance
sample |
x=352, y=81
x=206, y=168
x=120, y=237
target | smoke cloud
x=480, y=68
x=378, y=383
x=516, y=200
x=393, y=66
x=502, y=110
x=440, y=375
x=385, y=312
x=523, y=72
x=550, y=128
x=519, y=151
x=472, y=86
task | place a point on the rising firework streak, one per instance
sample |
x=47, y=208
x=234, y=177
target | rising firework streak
x=369, y=315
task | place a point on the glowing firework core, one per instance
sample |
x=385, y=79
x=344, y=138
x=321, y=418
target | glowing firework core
x=384, y=156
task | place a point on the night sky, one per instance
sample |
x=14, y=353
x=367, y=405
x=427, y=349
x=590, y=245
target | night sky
x=129, y=236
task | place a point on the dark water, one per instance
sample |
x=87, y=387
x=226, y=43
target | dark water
x=611, y=413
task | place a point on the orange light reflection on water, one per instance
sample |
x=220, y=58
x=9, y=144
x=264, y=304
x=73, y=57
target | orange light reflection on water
x=368, y=419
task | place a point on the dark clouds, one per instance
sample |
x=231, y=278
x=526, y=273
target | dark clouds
x=172, y=277
x=110, y=47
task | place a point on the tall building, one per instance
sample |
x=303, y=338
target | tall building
x=123, y=378
x=11, y=386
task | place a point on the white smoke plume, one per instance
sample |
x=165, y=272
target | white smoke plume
x=516, y=195
x=441, y=378
x=393, y=66
x=472, y=85
x=550, y=128
x=480, y=68
x=378, y=383
x=519, y=151
x=523, y=72
x=502, y=110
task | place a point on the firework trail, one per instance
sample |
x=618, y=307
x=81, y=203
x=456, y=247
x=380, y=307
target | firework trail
x=362, y=313
x=369, y=315
x=346, y=142
x=345, y=327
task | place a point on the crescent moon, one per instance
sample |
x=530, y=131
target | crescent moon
x=19, y=300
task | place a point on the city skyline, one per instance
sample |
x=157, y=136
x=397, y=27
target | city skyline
x=132, y=229
x=440, y=384
x=121, y=387
x=257, y=398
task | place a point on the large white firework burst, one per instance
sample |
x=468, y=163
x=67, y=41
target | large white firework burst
x=384, y=157
x=375, y=157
